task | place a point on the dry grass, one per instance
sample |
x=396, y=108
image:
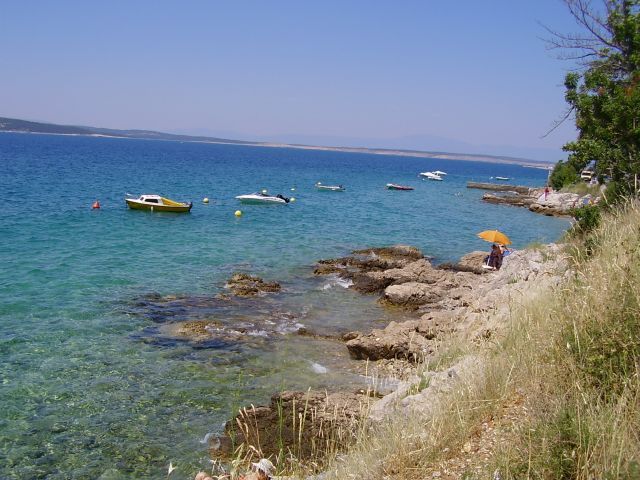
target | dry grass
x=573, y=354
x=582, y=188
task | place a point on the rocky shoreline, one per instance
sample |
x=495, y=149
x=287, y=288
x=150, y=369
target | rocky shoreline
x=551, y=203
x=455, y=302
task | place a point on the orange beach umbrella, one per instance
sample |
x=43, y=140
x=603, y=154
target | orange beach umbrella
x=495, y=236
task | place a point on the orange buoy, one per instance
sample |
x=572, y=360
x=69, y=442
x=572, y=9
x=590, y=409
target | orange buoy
x=96, y=204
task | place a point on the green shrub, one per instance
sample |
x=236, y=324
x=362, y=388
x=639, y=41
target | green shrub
x=563, y=174
x=587, y=218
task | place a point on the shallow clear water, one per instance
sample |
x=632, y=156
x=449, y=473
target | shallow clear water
x=90, y=381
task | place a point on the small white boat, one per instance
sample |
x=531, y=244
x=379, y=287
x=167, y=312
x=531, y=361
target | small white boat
x=502, y=178
x=330, y=188
x=439, y=172
x=431, y=176
x=262, y=198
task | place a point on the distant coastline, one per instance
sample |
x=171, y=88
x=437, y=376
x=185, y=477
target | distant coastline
x=12, y=125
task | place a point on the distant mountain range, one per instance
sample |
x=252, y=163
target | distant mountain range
x=25, y=126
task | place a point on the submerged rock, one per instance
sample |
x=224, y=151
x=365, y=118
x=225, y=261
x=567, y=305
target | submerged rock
x=196, y=330
x=245, y=285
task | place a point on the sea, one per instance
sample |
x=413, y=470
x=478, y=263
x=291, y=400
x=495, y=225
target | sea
x=94, y=382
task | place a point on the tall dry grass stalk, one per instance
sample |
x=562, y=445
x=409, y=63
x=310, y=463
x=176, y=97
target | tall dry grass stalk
x=573, y=354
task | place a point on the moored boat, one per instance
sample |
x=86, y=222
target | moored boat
x=330, y=188
x=262, y=198
x=431, y=176
x=395, y=186
x=502, y=178
x=439, y=172
x=156, y=203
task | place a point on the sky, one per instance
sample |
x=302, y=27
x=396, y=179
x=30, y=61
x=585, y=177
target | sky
x=465, y=76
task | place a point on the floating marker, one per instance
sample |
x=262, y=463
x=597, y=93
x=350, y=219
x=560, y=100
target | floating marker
x=293, y=189
x=95, y=205
x=205, y=200
x=292, y=199
x=264, y=190
x=238, y=213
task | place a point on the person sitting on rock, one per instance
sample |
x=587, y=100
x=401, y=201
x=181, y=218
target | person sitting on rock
x=504, y=251
x=495, y=257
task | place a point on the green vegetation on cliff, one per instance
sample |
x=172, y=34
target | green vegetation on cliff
x=605, y=96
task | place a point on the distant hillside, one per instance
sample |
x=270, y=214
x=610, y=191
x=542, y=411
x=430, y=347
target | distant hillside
x=24, y=126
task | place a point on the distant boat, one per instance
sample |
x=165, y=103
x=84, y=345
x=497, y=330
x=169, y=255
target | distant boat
x=502, y=178
x=156, y=203
x=438, y=172
x=262, y=198
x=431, y=176
x=395, y=186
x=330, y=188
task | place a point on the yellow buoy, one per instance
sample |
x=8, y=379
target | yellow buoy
x=205, y=200
x=238, y=213
x=292, y=199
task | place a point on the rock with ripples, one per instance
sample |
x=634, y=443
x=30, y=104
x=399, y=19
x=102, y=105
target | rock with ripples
x=245, y=285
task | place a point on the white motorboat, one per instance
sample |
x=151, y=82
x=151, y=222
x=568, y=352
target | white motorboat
x=502, y=178
x=262, y=198
x=439, y=172
x=330, y=188
x=431, y=176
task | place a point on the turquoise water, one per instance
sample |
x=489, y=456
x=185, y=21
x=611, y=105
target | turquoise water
x=90, y=380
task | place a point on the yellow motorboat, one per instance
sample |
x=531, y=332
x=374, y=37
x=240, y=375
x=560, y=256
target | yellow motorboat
x=156, y=203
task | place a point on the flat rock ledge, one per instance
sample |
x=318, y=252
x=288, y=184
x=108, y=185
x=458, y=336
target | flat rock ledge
x=553, y=204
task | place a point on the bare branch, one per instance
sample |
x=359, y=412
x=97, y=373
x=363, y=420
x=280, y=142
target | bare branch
x=559, y=122
x=597, y=35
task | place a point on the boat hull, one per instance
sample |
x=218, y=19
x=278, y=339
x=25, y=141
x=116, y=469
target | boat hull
x=261, y=201
x=327, y=188
x=391, y=186
x=137, y=205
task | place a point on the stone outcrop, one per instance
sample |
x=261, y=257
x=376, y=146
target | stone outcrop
x=552, y=204
x=368, y=268
x=448, y=303
x=303, y=423
x=244, y=285
x=471, y=262
x=423, y=394
x=413, y=340
x=455, y=302
x=510, y=198
x=500, y=187
x=558, y=204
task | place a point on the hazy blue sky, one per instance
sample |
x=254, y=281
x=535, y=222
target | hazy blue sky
x=462, y=75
